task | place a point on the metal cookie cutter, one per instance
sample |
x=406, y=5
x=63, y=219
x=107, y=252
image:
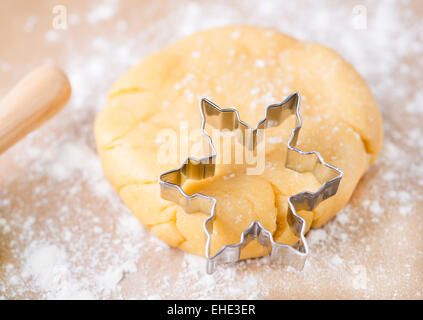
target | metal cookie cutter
x=171, y=184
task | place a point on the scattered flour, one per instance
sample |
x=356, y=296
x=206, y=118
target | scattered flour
x=103, y=11
x=52, y=36
x=87, y=251
x=260, y=63
x=30, y=23
x=316, y=236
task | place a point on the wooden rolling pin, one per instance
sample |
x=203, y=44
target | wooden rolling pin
x=35, y=99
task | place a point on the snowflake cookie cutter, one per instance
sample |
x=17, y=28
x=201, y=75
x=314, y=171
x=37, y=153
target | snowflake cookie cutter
x=171, y=184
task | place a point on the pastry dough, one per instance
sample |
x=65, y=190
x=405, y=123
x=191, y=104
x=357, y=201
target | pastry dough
x=247, y=68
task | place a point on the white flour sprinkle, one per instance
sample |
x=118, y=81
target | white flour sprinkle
x=79, y=250
x=5, y=67
x=318, y=235
x=260, y=63
x=255, y=91
x=104, y=11
x=30, y=23
x=52, y=36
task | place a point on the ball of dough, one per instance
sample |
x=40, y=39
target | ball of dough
x=247, y=68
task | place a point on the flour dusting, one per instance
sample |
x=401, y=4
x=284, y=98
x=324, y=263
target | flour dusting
x=83, y=243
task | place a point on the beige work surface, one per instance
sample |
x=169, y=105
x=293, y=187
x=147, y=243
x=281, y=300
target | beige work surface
x=64, y=233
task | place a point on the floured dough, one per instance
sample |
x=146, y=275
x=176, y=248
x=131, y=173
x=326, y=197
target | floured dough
x=247, y=68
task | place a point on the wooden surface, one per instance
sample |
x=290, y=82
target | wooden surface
x=64, y=232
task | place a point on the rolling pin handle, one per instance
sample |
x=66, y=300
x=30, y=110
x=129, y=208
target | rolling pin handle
x=34, y=100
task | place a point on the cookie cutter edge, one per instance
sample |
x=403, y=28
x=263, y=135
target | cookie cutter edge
x=171, y=183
